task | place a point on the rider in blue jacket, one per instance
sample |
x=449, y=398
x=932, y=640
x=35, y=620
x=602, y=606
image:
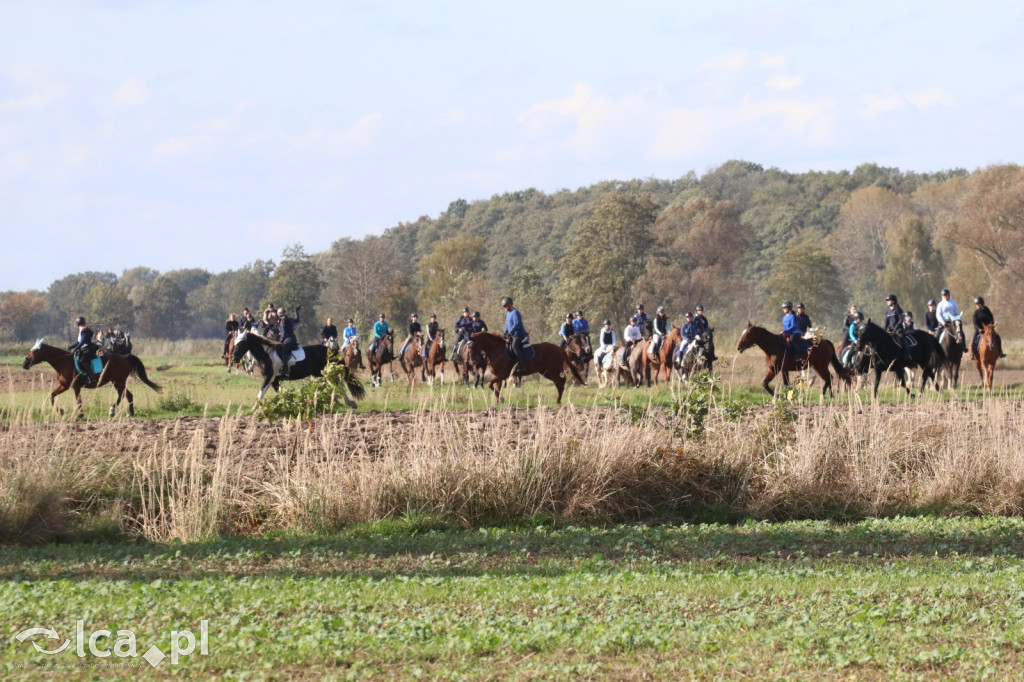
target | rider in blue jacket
x=791, y=329
x=286, y=331
x=515, y=331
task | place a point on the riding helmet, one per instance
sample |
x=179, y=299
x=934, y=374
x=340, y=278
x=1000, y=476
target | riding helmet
x=433, y=316
x=890, y=297
x=633, y=319
x=932, y=301
x=799, y=305
x=506, y=301
x=688, y=314
x=413, y=315
x=661, y=308
x=699, y=308
x=568, y=316
x=476, y=314
x=607, y=321
x=787, y=304
x=351, y=321
x=465, y=310
x=907, y=313
x=944, y=292
x=80, y=321
x=979, y=299
x=579, y=313
x=381, y=316
x=639, y=306
x=860, y=316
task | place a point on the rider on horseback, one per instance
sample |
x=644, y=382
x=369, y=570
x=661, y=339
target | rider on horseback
x=608, y=342
x=286, y=331
x=270, y=321
x=849, y=346
x=894, y=325
x=432, y=328
x=119, y=343
x=661, y=327
x=908, y=321
x=687, y=333
x=702, y=326
x=630, y=336
x=85, y=350
x=848, y=321
x=803, y=319
x=349, y=333
x=463, y=328
x=792, y=332
x=514, y=331
x=478, y=324
x=642, y=319
x=582, y=327
x=329, y=331
x=415, y=331
x=931, y=318
x=565, y=332
x=230, y=327
x=983, y=316
x=380, y=329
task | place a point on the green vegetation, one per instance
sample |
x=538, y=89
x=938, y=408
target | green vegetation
x=906, y=598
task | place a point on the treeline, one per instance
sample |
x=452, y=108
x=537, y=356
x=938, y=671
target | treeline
x=738, y=239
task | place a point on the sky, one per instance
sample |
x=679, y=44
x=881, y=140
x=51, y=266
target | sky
x=193, y=134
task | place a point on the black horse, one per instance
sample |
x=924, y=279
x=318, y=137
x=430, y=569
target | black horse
x=313, y=365
x=925, y=353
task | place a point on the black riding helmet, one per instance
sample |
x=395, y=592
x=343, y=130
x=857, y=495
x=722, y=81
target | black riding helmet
x=476, y=314
x=891, y=297
x=787, y=305
x=506, y=301
x=932, y=301
x=979, y=299
x=568, y=316
x=607, y=321
x=80, y=321
x=944, y=292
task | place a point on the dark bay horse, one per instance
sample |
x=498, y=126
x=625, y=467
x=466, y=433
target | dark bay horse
x=580, y=354
x=383, y=354
x=435, y=358
x=353, y=358
x=550, y=361
x=987, y=355
x=925, y=354
x=470, y=358
x=780, y=358
x=116, y=370
x=312, y=366
x=951, y=340
x=412, y=357
x=697, y=357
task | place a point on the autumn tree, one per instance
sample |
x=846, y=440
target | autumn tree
x=913, y=268
x=163, y=313
x=108, y=306
x=23, y=316
x=296, y=282
x=365, y=277
x=806, y=273
x=446, y=271
x=66, y=296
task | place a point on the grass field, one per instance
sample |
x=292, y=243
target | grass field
x=428, y=535
x=907, y=598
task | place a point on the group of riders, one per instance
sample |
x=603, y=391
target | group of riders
x=899, y=323
x=87, y=346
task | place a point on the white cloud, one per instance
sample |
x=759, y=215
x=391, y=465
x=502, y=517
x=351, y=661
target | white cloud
x=775, y=61
x=686, y=132
x=782, y=83
x=183, y=146
x=359, y=136
x=42, y=92
x=878, y=104
x=132, y=92
x=810, y=120
x=728, y=61
x=536, y=117
x=926, y=99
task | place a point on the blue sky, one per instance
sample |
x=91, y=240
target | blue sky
x=209, y=134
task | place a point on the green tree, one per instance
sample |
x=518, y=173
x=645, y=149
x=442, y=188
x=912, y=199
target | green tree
x=913, y=268
x=163, y=313
x=806, y=273
x=606, y=256
x=531, y=293
x=108, y=306
x=135, y=280
x=446, y=270
x=297, y=282
x=66, y=296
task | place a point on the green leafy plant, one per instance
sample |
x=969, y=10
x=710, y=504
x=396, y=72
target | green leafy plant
x=320, y=395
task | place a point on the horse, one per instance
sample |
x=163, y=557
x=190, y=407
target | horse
x=636, y=363
x=116, y=370
x=857, y=361
x=608, y=366
x=353, y=357
x=435, y=358
x=264, y=350
x=411, y=357
x=468, y=358
x=987, y=354
x=549, y=360
x=579, y=352
x=781, y=359
x=383, y=354
x=667, y=352
x=697, y=357
x=951, y=340
x=925, y=353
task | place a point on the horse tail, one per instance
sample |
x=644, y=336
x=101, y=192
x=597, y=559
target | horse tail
x=352, y=383
x=576, y=376
x=843, y=373
x=139, y=372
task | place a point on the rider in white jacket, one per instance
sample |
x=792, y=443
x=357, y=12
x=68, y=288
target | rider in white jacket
x=608, y=342
x=947, y=308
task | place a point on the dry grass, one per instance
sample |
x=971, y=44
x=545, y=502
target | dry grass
x=194, y=478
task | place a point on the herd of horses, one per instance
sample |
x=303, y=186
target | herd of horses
x=876, y=351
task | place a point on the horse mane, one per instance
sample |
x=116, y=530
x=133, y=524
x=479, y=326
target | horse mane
x=265, y=340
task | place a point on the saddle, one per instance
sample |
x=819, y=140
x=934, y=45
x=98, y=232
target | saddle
x=529, y=352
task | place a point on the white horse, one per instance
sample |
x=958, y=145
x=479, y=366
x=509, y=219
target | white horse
x=608, y=368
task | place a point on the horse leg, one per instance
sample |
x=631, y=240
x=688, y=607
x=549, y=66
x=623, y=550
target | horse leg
x=495, y=385
x=767, y=380
x=131, y=402
x=559, y=381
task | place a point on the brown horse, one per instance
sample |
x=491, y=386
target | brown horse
x=987, y=355
x=116, y=370
x=470, y=358
x=780, y=358
x=412, y=357
x=383, y=354
x=353, y=358
x=550, y=361
x=578, y=350
x=661, y=361
x=246, y=364
x=435, y=358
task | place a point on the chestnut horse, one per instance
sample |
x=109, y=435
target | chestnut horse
x=383, y=354
x=550, y=361
x=988, y=353
x=780, y=358
x=116, y=370
x=412, y=357
x=579, y=352
x=353, y=358
x=470, y=358
x=435, y=358
x=662, y=361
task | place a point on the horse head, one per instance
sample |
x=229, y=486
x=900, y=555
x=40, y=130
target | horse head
x=31, y=358
x=745, y=341
x=332, y=343
x=241, y=345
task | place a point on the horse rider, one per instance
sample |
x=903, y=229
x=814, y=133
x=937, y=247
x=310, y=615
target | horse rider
x=849, y=346
x=983, y=316
x=581, y=326
x=270, y=320
x=803, y=319
x=850, y=319
x=230, y=327
x=894, y=324
x=85, y=350
x=247, y=321
x=380, y=330
x=702, y=326
x=415, y=331
x=565, y=331
x=931, y=319
x=630, y=336
x=463, y=328
x=286, y=334
x=350, y=332
x=432, y=328
x=908, y=321
x=791, y=331
x=120, y=344
x=661, y=328
x=947, y=308
x=329, y=331
x=642, y=319
x=608, y=342
x=478, y=324
x=515, y=331
x=687, y=333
